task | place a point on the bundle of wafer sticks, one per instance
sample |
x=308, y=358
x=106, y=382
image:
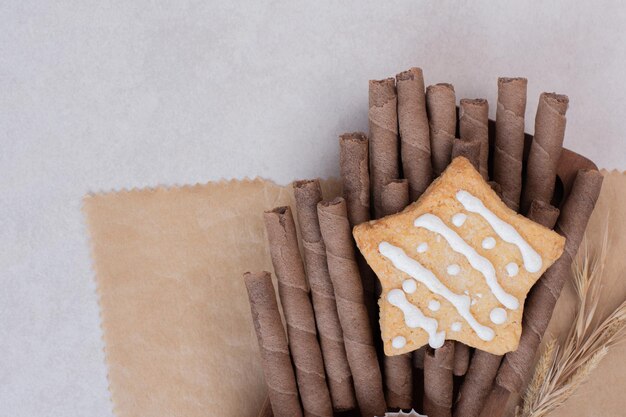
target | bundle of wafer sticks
x=330, y=360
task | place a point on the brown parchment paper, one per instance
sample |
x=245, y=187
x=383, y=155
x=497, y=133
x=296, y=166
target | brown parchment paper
x=602, y=394
x=178, y=335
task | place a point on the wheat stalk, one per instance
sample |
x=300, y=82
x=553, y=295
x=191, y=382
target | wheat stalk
x=563, y=367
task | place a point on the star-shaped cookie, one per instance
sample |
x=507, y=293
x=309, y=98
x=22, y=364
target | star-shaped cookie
x=456, y=264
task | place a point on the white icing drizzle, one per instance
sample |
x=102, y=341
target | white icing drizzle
x=453, y=269
x=483, y=265
x=456, y=326
x=489, y=243
x=410, y=266
x=398, y=342
x=434, y=305
x=512, y=269
x=414, y=318
x=498, y=315
x=422, y=247
x=466, y=292
x=458, y=219
x=409, y=286
x=532, y=260
x=479, y=295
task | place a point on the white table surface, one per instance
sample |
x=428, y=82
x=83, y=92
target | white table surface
x=100, y=95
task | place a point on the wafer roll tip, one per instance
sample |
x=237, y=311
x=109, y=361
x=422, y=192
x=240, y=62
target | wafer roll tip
x=409, y=74
x=560, y=101
x=358, y=137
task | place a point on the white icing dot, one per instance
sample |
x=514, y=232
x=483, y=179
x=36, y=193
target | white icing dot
x=512, y=269
x=454, y=269
x=489, y=243
x=498, y=315
x=456, y=326
x=458, y=219
x=398, y=342
x=409, y=286
x=434, y=305
x=474, y=301
x=423, y=247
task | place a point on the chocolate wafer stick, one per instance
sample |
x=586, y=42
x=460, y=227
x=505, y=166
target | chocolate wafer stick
x=294, y=297
x=355, y=175
x=357, y=333
x=414, y=131
x=399, y=381
x=467, y=149
x=279, y=376
x=473, y=120
x=441, y=105
x=517, y=365
x=542, y=298
x=545, y=149
x=509, y=144
x=477, y=383
x=384, y=147
x=398, y=369
x=438, y=380
x=418, y=377
x=543, y=213
x=461, y=358
x=418, y=357
x=354, y=168
x=484, y=366
x=308, y=193
x=395, y=196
